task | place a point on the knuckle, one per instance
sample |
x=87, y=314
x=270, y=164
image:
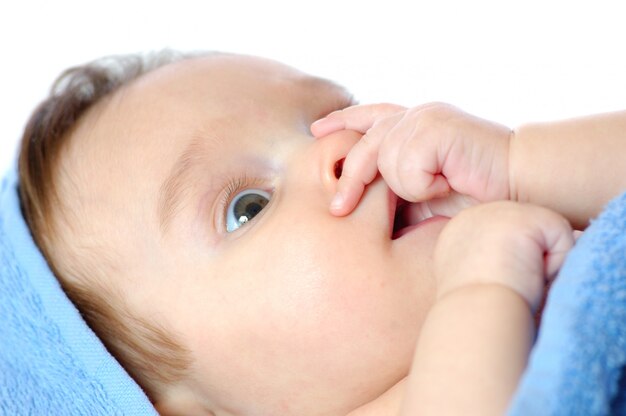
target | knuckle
x=355, y=168
x=435, y=112
x=386, y=167
x=413, y=182
x=389, y=107
x=408, y=168
x=351, y=178
x=350, y=169
x=368, y=139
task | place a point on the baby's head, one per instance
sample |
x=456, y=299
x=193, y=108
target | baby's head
x=183, y=204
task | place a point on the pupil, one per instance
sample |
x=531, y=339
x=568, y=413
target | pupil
x=253, y=208
x=248, y=206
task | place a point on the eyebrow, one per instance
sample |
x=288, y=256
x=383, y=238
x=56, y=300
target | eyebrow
x=174, y=191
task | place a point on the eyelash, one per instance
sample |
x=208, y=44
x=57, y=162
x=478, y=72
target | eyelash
x=233, y=187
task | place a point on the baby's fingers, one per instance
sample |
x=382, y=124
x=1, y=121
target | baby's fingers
x=559, y=240
x=360, y=167
x=358, y=118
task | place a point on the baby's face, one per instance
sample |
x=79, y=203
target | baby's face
x=293, y=312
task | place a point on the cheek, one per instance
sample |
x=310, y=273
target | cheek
x=313, y=295
x=321, y=315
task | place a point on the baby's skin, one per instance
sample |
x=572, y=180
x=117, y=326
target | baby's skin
x=298, y=310
x=495, y=257
x=423, y=153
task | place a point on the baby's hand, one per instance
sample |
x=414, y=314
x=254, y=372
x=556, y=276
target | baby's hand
x=430, y=151
x=520, y=246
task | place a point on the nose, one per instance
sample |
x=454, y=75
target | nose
x=332, y=152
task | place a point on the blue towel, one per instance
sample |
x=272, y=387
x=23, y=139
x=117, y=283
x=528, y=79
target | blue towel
x=51, y=363
x=576, y=365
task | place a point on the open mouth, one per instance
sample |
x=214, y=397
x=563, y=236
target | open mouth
x=406, y=216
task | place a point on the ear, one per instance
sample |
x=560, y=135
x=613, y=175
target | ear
x=180, y=401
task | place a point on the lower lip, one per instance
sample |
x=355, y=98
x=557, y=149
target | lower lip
x=420, y=224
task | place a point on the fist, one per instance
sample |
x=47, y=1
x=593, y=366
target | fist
x=520, y=246
x=433, y=151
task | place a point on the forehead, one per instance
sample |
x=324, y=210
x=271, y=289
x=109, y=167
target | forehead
x=200, y=94
x=133, y=138
x=231, y=83
x=230, y=95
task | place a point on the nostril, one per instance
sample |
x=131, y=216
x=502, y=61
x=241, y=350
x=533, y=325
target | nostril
x=339, y=168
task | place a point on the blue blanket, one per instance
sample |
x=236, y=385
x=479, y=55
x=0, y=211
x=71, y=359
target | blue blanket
x=576, y=365
x=51, y=363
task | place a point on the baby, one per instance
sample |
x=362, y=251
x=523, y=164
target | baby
x=184, y=206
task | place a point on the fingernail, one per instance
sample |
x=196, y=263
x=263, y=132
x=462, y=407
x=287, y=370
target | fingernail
x=321, y=121
x=318, y=122
x=337, y=202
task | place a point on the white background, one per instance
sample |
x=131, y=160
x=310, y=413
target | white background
x=511, y=62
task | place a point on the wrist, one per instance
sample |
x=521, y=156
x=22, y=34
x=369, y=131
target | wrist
x=473, y=347
x=491, y=288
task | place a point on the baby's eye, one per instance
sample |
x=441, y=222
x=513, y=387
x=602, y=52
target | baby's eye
x=244, y=206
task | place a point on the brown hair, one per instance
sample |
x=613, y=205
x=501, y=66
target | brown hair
x=147, y=351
